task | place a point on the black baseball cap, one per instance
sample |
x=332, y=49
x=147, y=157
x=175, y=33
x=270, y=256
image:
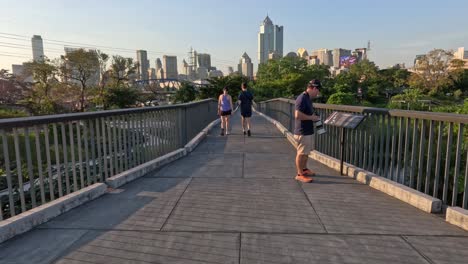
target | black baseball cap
x=315, y=83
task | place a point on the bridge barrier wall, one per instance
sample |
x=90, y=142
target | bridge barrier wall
x=45, y=158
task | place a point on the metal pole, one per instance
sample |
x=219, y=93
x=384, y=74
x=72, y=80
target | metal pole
x=342, y=141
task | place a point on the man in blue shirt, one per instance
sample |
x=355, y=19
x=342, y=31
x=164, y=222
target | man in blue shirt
x=304, y=129
x=246, y=100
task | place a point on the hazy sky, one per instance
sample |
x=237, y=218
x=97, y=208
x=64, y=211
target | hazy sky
x=398, y=30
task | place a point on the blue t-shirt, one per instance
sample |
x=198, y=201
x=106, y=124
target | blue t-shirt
x=246, y=100
x=304, y=105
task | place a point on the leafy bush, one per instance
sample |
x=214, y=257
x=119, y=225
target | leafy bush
x=342, y=98
x=9, y=113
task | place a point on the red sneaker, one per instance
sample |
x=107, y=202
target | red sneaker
x=303, y=178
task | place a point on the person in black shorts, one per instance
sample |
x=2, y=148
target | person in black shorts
x=224, y=110
x=246, y=101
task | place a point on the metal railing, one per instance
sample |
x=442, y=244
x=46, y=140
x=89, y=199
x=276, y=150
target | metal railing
x=46, y=157
x=426, y=151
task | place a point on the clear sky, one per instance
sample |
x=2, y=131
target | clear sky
x=398, y=30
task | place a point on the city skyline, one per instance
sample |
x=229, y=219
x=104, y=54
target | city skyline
x=391, y=27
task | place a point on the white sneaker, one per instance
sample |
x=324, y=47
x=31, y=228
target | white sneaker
x=227, y=132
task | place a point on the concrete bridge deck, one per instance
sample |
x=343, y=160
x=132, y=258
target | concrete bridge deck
x=234, y=200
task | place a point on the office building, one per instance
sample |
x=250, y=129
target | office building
x=245, y=66
x=361, y=54
x=270, y=39
x=158, y=67
x=170, y=67
x=204, y=60
x=152, y=73
x=37, y=48
x=324, y=56
x=337, y=54
x=143, y=65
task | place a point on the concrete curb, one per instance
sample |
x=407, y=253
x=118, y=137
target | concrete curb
x=417, y=199
x=410, y=196
x=189, y=147
x=28, y=220
x=457, y=216
x=135, y=173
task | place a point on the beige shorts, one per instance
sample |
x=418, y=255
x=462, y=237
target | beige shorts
x=305, y=144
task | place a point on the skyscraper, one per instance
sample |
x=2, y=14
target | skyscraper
x=170, y=67
x=143, y=64
x=204, y=60
x=361, y=54
x=245, y=66
x=270, y=39
x=159, y=70
x=152, y=73
x=279, y=40
x=37, y=48
x=324, y=56
x=337, y=53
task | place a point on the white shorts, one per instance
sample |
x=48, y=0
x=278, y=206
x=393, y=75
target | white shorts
x=305, y=144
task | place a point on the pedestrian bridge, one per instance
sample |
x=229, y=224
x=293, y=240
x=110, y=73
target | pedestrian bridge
x=232, y=199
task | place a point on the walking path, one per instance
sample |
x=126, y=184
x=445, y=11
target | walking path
x=234, y=200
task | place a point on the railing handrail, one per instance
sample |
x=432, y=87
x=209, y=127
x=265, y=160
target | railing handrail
x=435, y=116
x=46, y=119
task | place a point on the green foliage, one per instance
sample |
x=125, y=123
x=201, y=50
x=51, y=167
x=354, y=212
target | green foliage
x=121, y=69
x=461, y=81
x=342, y=98
x=455, y=109
x=121, y=97
x=409, y=100
x=345, y=83
x=44, y=75
x=10, y=113
x=216, y=85
x=287, y=77
x=433, y=72
x=185, y=94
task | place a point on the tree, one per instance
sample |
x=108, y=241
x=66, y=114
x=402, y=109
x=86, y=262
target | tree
x=83, y=67
x=104, y=75
x=216, y=85
x=41, y=99
x=121, y=96
x=432, y=72
x=44, y=75
x=185, y=94
x=287, y=77
x=122, y=69
x=410, y=99
x=12, y=90
x=461, y=82
x=345, y=83
x=365, y=75
x=342, y=98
